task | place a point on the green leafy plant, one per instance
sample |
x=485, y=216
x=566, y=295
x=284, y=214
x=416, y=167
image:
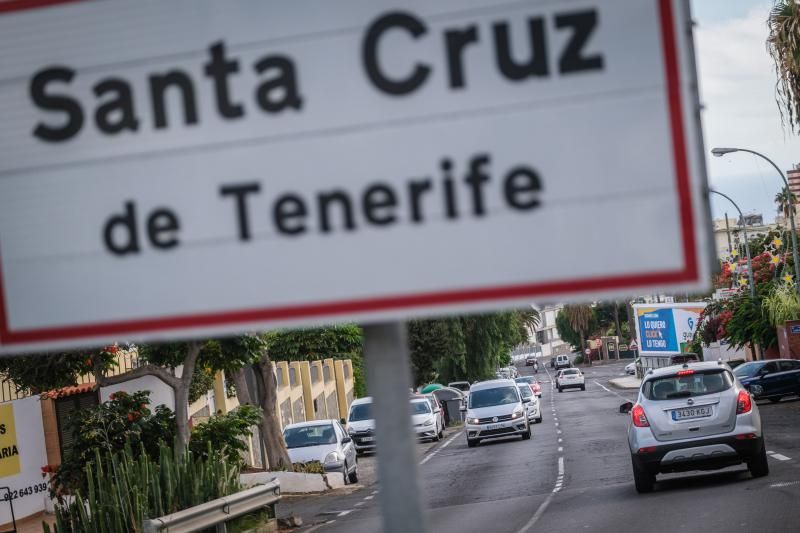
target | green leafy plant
x=125, y=419
x=224, y=434
x=124, y=489
x=782, y=304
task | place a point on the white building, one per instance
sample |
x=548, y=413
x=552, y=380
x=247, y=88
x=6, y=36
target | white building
x=548, y=341
x=729, y=235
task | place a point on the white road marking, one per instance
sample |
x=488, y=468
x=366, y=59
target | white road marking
x=546, y=503
x=345, y=513
x=443, y=446
x=558, y=431
x=560, y=440
x=560, y=449
x=556, y=423
x=784, y=484
x=359, y=504
x=611, y=391
x=779, y=457
x=369, y=497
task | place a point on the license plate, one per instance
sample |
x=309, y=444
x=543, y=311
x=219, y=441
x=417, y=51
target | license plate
x=692, y=412
x=495, y=426
x=367, y=439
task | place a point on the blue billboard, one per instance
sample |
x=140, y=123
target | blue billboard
x=657, y=329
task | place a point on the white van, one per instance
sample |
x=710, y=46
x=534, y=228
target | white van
x=562, y=361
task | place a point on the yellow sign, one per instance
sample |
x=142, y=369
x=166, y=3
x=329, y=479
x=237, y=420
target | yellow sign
x=9, y=454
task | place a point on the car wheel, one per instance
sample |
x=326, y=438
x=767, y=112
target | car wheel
x=472, y=443
x=437, y=437
x=560, y=389
x=775, y=400
x=583, y=387
x=344, y=473
x=539, y=420
x=642, y=479
x=758, y=465
x=353, y=476
x=527, y=434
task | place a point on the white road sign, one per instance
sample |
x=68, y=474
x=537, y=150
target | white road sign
x=194, y=167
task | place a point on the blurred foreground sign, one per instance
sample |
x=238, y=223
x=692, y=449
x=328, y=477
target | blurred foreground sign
x=191, y=167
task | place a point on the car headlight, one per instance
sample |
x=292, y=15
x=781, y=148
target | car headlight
x=333, y=457
x=473, y=421
x=517, y=413
x=428, y=423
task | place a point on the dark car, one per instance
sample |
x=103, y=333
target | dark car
x=770, y=380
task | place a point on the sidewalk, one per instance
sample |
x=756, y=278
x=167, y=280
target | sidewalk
x=626, y=382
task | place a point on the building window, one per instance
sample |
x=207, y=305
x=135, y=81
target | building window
x=540, y=337
x=65, y=410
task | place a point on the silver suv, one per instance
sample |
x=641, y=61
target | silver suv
x=696, y=416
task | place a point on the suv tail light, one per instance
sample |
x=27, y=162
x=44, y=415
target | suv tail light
x=743, y=403
x=639, y=418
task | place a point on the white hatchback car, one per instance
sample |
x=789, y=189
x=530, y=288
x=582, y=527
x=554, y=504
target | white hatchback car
x=495, y=410
x=325, y=441
x=571, y=378
x=531, y=403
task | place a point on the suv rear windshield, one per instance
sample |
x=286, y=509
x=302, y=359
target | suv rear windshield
x=361, y=411
x=687, y=384
x=571, y=371
x=490, y=397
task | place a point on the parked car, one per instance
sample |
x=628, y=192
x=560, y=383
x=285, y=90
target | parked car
x=361, y=425
x=562, y=361
x=534, y=384
x=325, y=441
x=570, y=378
x=530, y=359
x=427, y=424
x=531, y=403
x=495, y=410
x=693, y=417
x=630, y=368
x=770, y=380
x=438, y=411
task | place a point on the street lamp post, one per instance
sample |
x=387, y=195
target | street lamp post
x=746, y=242
x=719, y=152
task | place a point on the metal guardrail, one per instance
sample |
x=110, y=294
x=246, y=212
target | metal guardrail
x=217, y=512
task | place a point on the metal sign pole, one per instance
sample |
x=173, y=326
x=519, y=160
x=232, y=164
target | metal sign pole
x=388, y=381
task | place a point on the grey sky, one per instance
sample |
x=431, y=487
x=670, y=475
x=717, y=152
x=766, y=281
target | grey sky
x=737, y=84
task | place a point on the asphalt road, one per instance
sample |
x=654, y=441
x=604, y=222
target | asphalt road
x=575, y=475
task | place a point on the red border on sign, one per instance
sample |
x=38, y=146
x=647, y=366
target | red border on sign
x=397, y=302
x=23, y=5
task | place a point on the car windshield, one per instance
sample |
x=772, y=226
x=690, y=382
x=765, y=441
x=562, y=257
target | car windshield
x=525, y=392
x=495, y=396
x=687, y=384
x=574, y=371
x=525, y=379
x=301, y=437
x=747, y=370
x=420, y=407
x=362, y=411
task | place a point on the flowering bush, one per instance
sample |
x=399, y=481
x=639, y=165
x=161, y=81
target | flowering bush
x=124, y=419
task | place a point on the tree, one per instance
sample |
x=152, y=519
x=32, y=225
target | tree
x=437, y=350
x=574, y=323
x=786, y=201
x=783, y=43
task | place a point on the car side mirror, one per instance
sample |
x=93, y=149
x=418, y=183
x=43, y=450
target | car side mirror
x=343, y=422
x=463, y=409
x=345, y=440
x=626, y=407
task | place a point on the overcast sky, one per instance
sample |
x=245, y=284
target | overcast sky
x=737, y=84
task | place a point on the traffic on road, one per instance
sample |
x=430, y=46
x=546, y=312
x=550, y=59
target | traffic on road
x=690, y=434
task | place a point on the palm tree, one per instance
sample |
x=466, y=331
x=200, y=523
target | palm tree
x=580, y=319
x=783, y=44
x=786, y=201
x=531, y=318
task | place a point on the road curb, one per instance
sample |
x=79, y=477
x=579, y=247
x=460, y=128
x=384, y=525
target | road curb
x=618, y=384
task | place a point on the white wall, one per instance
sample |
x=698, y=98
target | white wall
x=29, y=488
x=160, y=393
